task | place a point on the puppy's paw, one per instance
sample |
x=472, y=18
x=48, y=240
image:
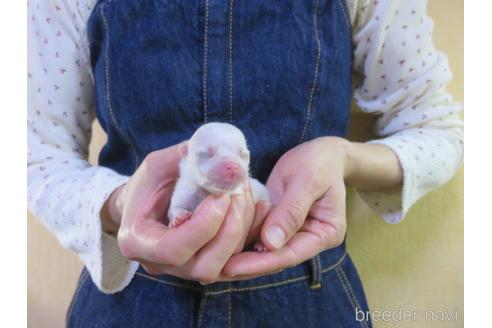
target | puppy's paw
x=260, y=247
x=179, y=217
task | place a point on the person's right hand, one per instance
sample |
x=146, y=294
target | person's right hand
x=195, y=250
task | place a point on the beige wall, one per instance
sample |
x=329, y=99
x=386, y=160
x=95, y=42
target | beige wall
x=415, y=265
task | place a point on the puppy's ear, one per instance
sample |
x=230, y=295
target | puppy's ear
x=183, y=149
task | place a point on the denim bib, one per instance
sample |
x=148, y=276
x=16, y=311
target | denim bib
x=280, y=70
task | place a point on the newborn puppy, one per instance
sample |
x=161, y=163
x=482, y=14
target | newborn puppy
x=216, y=162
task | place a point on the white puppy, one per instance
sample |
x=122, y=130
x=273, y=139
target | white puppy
x=216, y=162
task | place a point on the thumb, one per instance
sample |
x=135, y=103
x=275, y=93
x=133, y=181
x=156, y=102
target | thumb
x=166, y=160
x=288, y=216
x=174, y=153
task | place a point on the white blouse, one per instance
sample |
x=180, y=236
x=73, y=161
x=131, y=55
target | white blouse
x=400, y=77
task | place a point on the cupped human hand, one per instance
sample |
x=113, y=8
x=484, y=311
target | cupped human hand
x=308, y=193
x=195, y=250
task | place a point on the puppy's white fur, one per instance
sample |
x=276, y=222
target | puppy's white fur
x=209, y=147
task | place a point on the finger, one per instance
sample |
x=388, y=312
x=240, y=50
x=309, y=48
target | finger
x=224, y=277
x=163, y=163
x=301, y=247
x=288, y=216
x=152, y=268
x=261, y=211
x=209, y=261
x=170, y=154
x=156, y=269
x=246, y=218
x=275, y=186
x=156, y=243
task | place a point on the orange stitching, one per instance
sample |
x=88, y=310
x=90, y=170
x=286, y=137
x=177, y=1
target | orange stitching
x=336, y=264
x=244, y=289
x=345, y=289
x=349, y=285
x=230, y=306
x=276, y=284
x=202, y=310
x=316, y=71
x=205, y=65
x=230, y=60
x=107, y=91
x=349, y=291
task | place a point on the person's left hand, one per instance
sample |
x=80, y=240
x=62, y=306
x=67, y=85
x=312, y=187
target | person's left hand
x=308, y=192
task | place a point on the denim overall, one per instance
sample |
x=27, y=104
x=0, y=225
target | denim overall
x=280, y=70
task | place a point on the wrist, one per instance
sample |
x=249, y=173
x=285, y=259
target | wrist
x=345, y=150
x=363, y=165
x=372, y=167
x=350, y=160
x=110, y=213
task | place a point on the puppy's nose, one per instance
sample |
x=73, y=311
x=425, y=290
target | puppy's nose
x=231, y=169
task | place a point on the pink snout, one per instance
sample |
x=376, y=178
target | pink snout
x=228, y=172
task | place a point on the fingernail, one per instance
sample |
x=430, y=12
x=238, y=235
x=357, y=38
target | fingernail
x=275, y=236
x=221, y=203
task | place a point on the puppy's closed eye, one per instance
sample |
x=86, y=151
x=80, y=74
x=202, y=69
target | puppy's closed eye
x=204, y=155
x=244, y=154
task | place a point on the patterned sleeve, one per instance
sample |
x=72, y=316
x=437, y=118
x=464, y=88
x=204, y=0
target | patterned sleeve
x=402, y=81
x=65, y=192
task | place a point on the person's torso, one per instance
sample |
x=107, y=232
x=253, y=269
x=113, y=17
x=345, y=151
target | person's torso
x=279, y=70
